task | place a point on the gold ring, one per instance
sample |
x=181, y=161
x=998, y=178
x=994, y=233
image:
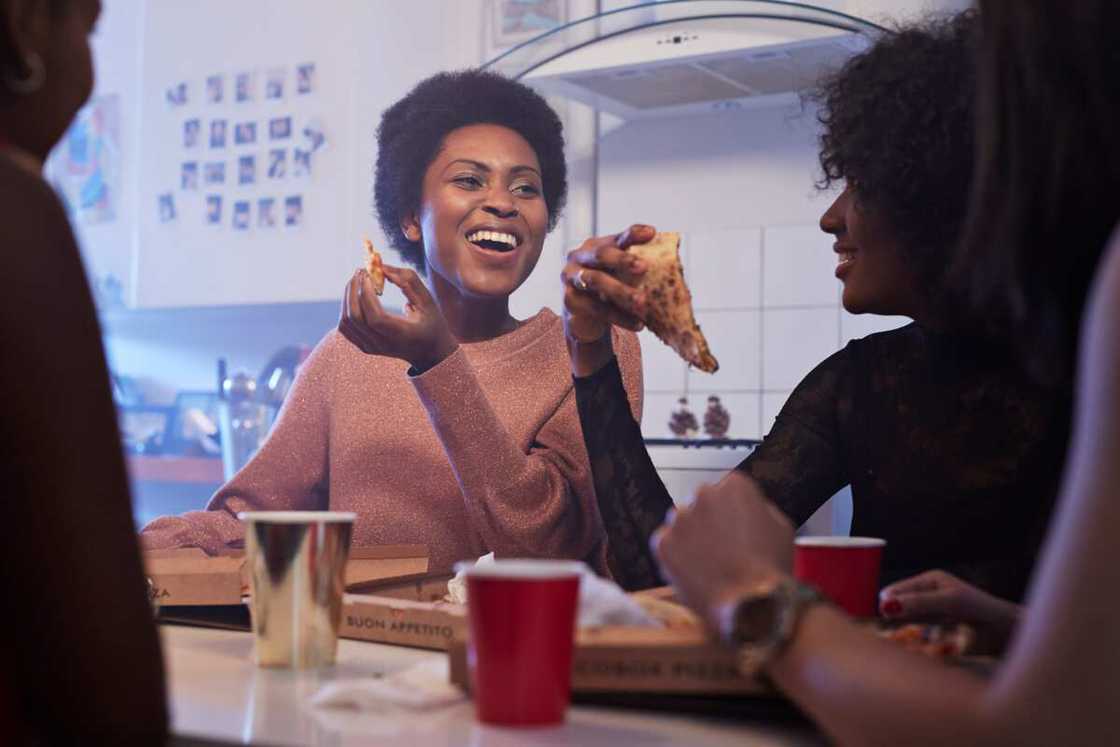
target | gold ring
x=579, y=282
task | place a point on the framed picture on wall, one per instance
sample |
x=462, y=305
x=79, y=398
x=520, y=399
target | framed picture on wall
x=516, y=21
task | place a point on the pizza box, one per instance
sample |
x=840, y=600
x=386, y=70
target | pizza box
x=409, y=611
x=190, y=577
x=678, y=659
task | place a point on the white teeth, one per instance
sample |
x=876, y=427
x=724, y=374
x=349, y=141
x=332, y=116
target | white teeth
x=498, y=236
x=844, y=258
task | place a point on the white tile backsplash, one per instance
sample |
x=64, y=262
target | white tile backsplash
x=795, y=341
x=735, y=340
x=724, y=268
x=798, y=267
x=854, y=326
x=663, y=369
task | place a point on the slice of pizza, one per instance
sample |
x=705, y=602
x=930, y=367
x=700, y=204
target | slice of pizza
x=374, y=267
x=669, y=303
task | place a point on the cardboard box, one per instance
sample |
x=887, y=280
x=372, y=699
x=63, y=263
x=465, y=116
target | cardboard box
x=405, y=612
x=677, y=659
x=190, y=577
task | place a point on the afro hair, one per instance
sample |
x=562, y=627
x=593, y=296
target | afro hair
x=413, y=129
x=898, y=129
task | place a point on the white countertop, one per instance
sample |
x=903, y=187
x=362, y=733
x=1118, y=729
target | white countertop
x=217, y=692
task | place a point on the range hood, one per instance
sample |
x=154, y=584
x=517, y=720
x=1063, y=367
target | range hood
x=680, y=57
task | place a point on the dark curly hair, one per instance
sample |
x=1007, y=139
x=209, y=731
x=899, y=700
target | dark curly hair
x=413, y=129
x=898, y=128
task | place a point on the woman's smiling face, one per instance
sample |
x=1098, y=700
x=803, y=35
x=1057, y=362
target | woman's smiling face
x=870, y=262
x=482, y=216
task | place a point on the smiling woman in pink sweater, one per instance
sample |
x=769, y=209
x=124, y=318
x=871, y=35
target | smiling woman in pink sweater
x=453, y=425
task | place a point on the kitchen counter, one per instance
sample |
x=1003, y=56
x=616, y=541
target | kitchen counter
x=216, y=692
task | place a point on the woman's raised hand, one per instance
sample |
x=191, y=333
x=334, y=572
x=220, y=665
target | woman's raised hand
x=421, y=336
x=598, y=285
x=728, y=542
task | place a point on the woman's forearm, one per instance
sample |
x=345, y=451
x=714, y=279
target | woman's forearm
x=864, y=690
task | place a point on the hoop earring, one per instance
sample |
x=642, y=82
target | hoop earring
x=32, y=81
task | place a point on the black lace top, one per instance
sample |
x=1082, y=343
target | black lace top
x=953, y=457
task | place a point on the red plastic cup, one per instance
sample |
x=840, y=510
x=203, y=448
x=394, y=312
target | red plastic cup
x=522, y=620
x=844, y=569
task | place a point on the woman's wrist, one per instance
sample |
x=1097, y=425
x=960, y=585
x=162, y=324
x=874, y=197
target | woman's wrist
x=589, y=358
x=433, y=357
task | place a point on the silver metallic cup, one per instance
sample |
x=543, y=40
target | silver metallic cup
x=297, y=565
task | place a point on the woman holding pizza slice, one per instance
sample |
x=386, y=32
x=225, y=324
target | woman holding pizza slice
x=454, y=424
x=952, y=452
x=1040, y=262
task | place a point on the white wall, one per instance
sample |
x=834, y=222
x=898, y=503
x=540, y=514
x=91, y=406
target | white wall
x=176, y=349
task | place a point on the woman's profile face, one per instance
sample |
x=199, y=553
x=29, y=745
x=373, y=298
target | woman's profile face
x=870, y=262
x=482, y=217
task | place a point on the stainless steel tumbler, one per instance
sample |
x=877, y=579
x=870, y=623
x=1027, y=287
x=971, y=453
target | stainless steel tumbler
x=297, y=564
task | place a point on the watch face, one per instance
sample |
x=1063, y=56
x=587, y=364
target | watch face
x=756, y=619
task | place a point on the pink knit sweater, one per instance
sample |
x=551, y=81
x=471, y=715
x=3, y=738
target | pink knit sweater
x=480, y=453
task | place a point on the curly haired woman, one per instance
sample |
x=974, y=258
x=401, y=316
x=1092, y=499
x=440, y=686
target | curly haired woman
x=953, y=454
x=453, y=425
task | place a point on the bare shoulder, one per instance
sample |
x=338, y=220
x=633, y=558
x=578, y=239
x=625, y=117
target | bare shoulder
x=25, y=198
x=37, y=235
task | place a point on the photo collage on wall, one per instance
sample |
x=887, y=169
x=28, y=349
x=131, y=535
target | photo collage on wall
x=245, y=153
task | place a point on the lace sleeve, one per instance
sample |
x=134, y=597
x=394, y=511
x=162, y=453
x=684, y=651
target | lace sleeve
x=801, y=462
x=632, y=499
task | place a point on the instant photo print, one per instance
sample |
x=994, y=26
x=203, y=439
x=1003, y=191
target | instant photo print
x=245, y=133
x=166, y=207
x=192, y=128
x=266, y=212
x=246, y=170
x=177, y=94
x=305, y=78
x=218, y=133
x=215, y=86
x=301, y=162
x=214, y=172
x=280, y=128
x=274, y=84
x=188, y=175
x=277, y=163
x=243, y=87
x=214, y=210
x=293, y=210
x=241, y=215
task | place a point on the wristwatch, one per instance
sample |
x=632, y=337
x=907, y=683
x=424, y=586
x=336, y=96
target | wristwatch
x=758, y=626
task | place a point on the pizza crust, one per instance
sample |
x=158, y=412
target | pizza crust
x=669, y=302
x=374, y=267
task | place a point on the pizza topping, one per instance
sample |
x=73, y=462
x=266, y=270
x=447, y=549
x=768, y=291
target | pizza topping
x=669, y=302
x=498, y=241
x=374, y=267
x=937, y=641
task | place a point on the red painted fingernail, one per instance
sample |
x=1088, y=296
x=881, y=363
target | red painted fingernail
x=892, y=608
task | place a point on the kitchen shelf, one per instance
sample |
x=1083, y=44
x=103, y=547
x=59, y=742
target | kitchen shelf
x=176, y=469
x=704, y=443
